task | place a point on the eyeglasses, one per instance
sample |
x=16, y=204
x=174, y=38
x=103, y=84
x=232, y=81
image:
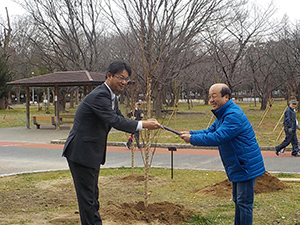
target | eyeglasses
x=122, y=78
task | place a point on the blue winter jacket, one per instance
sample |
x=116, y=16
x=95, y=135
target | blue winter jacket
x=232, y=132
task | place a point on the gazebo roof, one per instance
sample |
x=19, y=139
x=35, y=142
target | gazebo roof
x=64, y=78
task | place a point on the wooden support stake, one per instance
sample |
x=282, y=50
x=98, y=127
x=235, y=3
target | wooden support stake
x=280, y=119
x=280, y=134
x=264, y=115
x=210, y=121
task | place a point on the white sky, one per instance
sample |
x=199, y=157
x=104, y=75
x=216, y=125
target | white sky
x=13, y=8
x=289, y=7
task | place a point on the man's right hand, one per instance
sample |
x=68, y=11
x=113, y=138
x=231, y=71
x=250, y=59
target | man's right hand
x=186, y=136
x=151, y=124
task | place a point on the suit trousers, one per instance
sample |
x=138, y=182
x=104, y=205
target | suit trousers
x=86, y=186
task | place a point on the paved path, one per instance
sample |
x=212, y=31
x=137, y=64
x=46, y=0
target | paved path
x=29, y=150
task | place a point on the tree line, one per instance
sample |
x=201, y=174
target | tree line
x=175, y=47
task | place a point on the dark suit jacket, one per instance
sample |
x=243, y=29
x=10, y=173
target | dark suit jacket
x=86, y=143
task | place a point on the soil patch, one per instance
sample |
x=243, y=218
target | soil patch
x=136, y=213
x=264, y=184
x=162, y=212
x=169, y=213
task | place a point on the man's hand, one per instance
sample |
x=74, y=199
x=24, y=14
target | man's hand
x=185, y=135
x=151, y=124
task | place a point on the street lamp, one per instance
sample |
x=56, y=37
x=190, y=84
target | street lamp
x=172, y=149
x=32, y=73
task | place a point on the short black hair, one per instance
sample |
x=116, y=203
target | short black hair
x=118, y=66
x=226, y=91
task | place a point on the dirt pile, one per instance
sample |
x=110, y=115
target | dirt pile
x=169, y=213
x=162, y=212
x=264, y=184
x=136, y=213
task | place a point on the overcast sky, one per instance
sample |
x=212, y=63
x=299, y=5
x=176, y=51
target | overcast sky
x=289, y=7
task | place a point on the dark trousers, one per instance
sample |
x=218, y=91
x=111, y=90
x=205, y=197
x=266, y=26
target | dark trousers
x=137, y=139
x=289, y=138
x=86, y=186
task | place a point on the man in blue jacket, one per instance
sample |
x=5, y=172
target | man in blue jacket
x=290, y=125
x=232, y=132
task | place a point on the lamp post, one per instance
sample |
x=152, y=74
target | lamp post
x=172, y=149
x=32, y=90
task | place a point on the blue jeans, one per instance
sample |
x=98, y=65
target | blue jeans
x=243, y=196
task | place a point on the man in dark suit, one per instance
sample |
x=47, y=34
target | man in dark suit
x=85, y=147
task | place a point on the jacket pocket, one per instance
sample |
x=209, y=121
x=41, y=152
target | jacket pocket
x=242, y=161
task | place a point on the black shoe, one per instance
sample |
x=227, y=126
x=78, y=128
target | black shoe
x=276, y=151
x=297, y=155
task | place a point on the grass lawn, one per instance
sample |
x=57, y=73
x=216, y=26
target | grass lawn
x=198, y=117
x=49, y=198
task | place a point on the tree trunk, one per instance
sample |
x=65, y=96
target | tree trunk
x=18, y=95
x=2, y=103
x=157, y=102
x=206, y=100
x=147, y=137
x=264, y=102
x=72, y=99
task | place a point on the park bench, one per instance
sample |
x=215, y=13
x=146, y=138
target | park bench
x=43, y=120
x=66, y=119
x=50, y=120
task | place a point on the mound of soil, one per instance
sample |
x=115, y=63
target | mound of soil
x=169, y=213
x=264, y=184
x=162, y=212
x=136, y=212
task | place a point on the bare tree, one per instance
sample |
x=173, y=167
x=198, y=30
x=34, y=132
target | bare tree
x=5, y=36
x=263, y=72
x=61, y=35
x=286, y=54
x=240, y=29
x=158, y=35
x=69, y=33
x=202, y=75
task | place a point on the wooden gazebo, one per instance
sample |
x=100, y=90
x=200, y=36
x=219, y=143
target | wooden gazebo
x=58, y=79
